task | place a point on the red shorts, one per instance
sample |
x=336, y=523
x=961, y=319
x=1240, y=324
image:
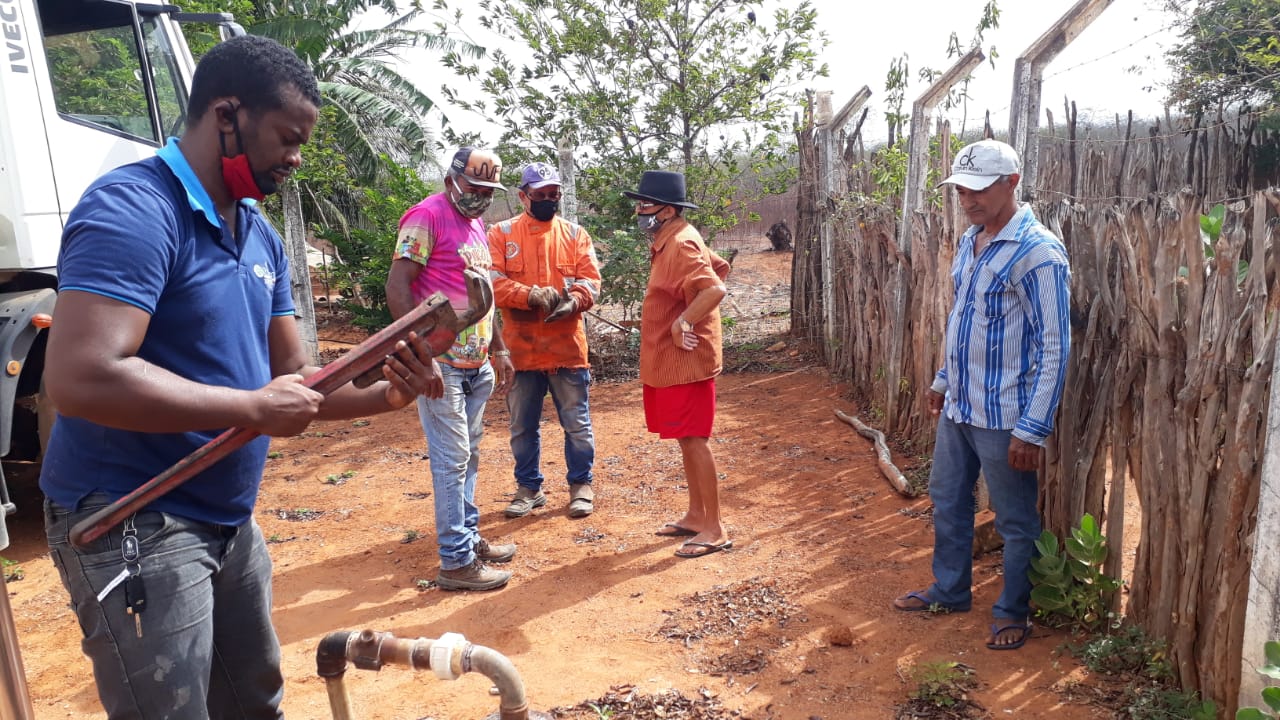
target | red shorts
x=681, y=411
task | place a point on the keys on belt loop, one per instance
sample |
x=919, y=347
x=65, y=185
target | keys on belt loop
x=135, y=594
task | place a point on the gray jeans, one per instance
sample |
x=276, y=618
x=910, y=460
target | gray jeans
x=207, y=650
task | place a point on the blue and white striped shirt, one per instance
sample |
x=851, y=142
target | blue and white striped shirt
x=1009, y=330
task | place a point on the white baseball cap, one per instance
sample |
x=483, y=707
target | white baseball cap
x=980, y=164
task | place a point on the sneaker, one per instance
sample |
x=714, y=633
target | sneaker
x=525, y=501
x=495, y=553
x=476, y=576
x=581, y=500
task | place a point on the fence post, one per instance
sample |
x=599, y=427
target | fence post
x=1262, y=614
x=1028, y=72
x=568, y=185
x=829, y=129
x=912, y=201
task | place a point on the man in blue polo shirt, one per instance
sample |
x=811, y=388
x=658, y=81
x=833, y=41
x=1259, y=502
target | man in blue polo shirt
x=174, y=322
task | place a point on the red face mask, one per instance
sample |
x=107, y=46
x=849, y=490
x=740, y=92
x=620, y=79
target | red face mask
x=237, y=174
x=238, y=177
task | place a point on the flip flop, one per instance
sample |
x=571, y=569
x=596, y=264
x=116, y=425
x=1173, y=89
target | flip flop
x=927, y=604
x=676, y=531
x=708, y=548
x=1022, y=628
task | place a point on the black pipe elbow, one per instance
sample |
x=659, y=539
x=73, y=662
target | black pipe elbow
x=331, y=654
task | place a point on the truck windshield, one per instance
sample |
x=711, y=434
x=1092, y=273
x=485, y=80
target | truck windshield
x=99, y=63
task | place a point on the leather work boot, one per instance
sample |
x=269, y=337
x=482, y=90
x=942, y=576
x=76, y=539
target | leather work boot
x=581, y=500
x=476, y=576
x=525, y=500
x=495, y=553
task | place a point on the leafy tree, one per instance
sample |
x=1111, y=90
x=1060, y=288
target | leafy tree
x=1229, y=53
x=366, y=250
x=377, y=110
x=695, y=85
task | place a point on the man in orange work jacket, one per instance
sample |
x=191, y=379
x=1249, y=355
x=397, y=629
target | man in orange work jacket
x=545, y=275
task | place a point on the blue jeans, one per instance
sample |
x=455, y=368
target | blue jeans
x=453, y=426
x=959, y=453
x=207, y=648
x=569, y=392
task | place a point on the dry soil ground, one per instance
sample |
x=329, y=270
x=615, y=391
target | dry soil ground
x=794, y=622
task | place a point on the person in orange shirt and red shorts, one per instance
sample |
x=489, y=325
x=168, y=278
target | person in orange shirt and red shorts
x=680, y=351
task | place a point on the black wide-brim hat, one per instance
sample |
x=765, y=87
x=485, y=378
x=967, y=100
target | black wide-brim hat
x=661, y=186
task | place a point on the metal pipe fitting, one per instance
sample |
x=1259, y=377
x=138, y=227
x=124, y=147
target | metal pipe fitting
x=448, y=657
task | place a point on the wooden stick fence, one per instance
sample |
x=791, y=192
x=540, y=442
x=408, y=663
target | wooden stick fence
x=1172, y=349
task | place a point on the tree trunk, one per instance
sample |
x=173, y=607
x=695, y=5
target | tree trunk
x=295, y=243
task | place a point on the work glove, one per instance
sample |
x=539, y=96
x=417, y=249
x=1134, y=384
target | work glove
x=543, y=297
x=568, y=306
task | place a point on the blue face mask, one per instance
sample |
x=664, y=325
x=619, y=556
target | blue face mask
x=648, y=223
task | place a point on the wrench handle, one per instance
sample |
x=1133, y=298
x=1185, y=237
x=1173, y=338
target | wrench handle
x=365, y=357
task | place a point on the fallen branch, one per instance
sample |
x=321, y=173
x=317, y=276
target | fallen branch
x=884, y=458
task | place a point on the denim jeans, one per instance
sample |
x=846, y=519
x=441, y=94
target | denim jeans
x=208, y=649
x=569, y=390
x=454, y=425
x=959, y=453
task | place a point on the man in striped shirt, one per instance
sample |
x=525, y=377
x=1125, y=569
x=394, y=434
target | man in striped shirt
x=996, y=395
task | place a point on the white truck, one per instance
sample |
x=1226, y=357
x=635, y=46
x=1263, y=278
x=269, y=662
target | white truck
x=85, y=86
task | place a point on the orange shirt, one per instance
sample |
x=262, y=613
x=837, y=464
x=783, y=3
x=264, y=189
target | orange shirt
x=681, y=266
x=528, y=252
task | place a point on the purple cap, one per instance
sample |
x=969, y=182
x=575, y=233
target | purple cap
x=539, y=175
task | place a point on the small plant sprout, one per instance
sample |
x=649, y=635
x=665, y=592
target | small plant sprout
x=12, y=570
x=409, y=536
x=275, y=455
x=360, y=423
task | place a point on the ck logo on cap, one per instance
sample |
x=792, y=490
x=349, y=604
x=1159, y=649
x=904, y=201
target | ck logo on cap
x=965, y=160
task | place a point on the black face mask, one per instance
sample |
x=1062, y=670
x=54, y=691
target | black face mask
x=544, y=210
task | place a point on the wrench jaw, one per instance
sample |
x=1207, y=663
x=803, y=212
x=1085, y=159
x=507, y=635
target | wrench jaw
x=479, y=298
x=441, y=324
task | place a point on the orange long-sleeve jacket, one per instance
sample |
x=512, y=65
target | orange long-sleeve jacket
x=558, y=254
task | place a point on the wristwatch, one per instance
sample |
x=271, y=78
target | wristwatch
x=685, y=325
x=501, y=353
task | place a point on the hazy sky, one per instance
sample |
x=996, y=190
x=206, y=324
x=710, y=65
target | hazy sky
x=1096, y=70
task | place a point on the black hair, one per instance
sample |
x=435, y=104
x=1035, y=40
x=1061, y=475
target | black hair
x=255, y=69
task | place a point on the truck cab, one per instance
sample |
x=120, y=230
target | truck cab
x=85, y=86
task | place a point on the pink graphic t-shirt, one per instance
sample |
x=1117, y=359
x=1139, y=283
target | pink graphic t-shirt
x=434, y=235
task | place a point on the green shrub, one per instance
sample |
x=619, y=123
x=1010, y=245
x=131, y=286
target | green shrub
x=1127, y=652
x=1071, y=584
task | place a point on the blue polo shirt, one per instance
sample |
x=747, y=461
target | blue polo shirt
x=147, y=234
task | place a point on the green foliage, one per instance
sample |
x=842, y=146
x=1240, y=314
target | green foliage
x=1128, y=652
x=1160, y=702
x=12, y=570
x=641, y=84
x=377, y=110
x=1071, y=584
x=942, y=684
x=624, y=270
x=1270, y=695
x=1211, y=227
x=365, y=250
x=1229, y=53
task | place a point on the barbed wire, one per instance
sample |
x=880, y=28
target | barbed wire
x=1113, y=198
x=1113, y=52
x=1146, y=137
